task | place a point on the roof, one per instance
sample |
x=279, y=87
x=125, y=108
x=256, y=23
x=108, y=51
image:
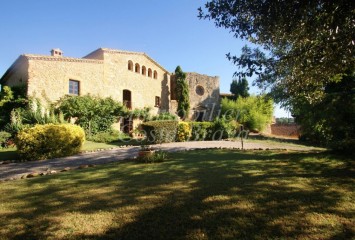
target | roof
x=71, y=59
x=61, y=58
x=110, y=50
x=226, y=94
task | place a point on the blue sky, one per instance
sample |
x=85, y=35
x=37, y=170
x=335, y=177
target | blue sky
x=168, y=31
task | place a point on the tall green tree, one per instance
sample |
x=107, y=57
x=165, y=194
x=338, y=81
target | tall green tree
x=330, y=122
x=304, y=44
x=240, y=88
x=182, y=90
x=303, y=49
x=254, y=112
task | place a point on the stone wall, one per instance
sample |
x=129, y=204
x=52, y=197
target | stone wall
x=48, y=78
x=103, y=73
x=287, y=130
x=143, y=88
x=204, y=95
x=17, y=73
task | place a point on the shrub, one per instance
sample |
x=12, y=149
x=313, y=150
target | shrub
x=142, y=114
x=109, y=136
x=254, y=112
x=49, y=141
x=94, y=114
x=164, y=116
x=4, y=138
x=222, y=128
x=200, y=131
x=183, y=132
x=160, y=131
x=154, y=157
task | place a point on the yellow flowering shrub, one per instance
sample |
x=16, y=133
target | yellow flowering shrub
x=183, y=132
x=49, y=141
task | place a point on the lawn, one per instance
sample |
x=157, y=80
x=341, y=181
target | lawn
x=211, y=194
x=11, y=154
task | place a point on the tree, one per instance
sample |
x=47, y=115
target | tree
x=240, y=88
x=254, y=112
x=305, y=43
x=182, y=89
x=11, y=98
x=307, y=48
x=93, y=114
x=330, y=122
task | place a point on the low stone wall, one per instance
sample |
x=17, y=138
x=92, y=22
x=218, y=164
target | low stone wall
x=289, y=130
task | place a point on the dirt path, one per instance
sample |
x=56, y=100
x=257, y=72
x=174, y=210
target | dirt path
x=13, y=171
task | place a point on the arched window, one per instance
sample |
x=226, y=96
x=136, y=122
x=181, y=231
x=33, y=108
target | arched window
x=144, y=71
x=127, y=98
x=155, y=74
x=149, y=72
x=137, y=68
x=130, y=65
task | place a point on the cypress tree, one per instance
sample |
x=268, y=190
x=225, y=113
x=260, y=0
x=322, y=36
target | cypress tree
x=182, y=89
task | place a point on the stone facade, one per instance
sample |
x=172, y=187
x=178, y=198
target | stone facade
x=130, y=77
x=204, y=96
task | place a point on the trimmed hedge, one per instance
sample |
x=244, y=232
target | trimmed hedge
x=160, y=131
x=49, y=141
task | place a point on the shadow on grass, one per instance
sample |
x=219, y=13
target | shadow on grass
x=220, y=194
x=8, y=154
x=283, y=140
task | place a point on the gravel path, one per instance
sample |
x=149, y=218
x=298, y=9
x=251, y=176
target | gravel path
x=13, y=171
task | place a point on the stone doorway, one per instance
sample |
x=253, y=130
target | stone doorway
x=200, y=114
x=127, y=123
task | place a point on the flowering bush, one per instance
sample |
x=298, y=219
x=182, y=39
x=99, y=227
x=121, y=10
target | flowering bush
x=183, y=132
x=49, y=141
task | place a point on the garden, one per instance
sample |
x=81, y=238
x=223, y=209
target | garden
x=205, y=194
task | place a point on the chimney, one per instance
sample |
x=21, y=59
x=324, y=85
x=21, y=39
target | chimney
x=56, y=52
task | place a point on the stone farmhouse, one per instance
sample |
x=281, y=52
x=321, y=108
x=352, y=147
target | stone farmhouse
x=133, y=78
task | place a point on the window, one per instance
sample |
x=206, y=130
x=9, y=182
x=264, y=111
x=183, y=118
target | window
x=144, y=70
x=155, y=74
x=200, y=90
x=74, y=87
x=149, y=72
x=137, y=68
x=130, y=65
x=127, y=98
x=157, y=101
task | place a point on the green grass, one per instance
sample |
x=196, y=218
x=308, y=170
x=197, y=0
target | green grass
x=214, y=194
x=280, y=142
x=8, y=154
x=11, y=154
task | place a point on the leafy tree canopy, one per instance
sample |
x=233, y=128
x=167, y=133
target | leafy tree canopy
x=305, y=44
x=10, y=99
x=254, y=112
x=239, y=87
x=94, y=114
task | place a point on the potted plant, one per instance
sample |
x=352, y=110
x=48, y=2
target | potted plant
x=145, y=151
